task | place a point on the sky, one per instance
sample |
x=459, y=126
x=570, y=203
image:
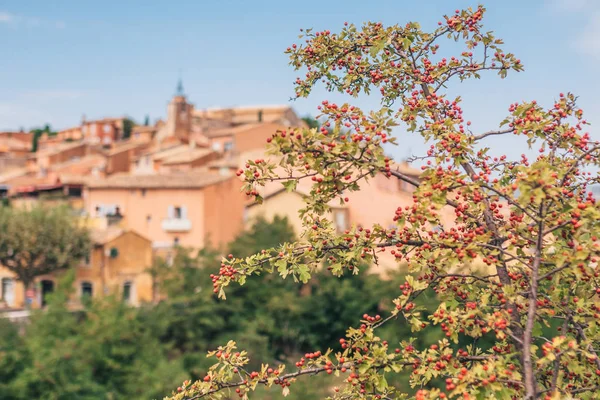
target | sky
x=63, y=60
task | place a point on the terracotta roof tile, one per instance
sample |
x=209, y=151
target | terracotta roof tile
x=103, y=236
x=188, y=156
x=229, y=131
x=194, y=179
x=121, y=147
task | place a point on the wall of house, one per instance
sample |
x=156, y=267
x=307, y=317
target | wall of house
x=22, y=136
x=145, y=210
x=18, y=294
x=142, y=165
x=255, y=138
x=91, y=272
x=11, y=162
x=106, y=275
x=62, y=156
x=119, y=162
x=102, y=132
x=218, y=143
x=130, y=265
x=186, y=166
x=284, y=204
x=72, y=134
x=224, y=211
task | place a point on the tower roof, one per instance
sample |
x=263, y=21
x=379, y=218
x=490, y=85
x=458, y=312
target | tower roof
x=179, y=91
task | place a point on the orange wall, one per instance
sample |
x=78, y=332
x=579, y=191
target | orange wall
x=215, y=211
x=131, y=264
x=136, y=207
x=256, y=138
x=66, y=155
x=224, y=211
x=95, y=129
x=119, y=162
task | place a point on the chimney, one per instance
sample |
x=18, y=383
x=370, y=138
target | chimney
x=260, y=115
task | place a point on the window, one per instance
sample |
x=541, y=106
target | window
x=177, y=212
x=148, y=218
x=216, y=146
x=103, y=210
x=228, y=146
x=143, y=192
x=94, y=130
x=128, y=292
x=340, y=219
x=8, y=291
x=106, y=128
x=113, y=252
x=87, y=261
x=86, y=290
x=176, y=242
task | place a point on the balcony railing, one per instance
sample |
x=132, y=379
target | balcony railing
x=176, y=225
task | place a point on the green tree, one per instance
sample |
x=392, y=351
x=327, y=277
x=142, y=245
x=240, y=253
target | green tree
x=13, y=357
x=128, y=125
x=104, y=351
x=40, y=241
x=262, y=234
x=311, y=122
x=533, y=223
x=56, y=367
x=37, y=133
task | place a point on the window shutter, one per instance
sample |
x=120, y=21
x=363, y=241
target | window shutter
x=183, y=212
x=171, y=212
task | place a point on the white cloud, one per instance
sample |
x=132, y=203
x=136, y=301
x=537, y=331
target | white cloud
x=6, y=17
x=588, y=41
x=571, y=5
x=31, y=22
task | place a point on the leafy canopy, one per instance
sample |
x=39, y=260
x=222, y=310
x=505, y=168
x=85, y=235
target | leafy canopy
x=40, y=240
x=532, y=222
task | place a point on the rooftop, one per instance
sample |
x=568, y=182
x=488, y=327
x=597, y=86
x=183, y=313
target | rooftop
x=194, y=179
x=266, y=107
x=229, y=131
x=188, y=156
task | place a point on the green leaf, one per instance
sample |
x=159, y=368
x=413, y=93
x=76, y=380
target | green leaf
x=290, y=185
x=537, y=329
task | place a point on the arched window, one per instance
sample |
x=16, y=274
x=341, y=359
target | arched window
x=87, y=289
x=8, y=291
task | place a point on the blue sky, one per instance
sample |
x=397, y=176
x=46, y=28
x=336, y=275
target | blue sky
x=61, y=60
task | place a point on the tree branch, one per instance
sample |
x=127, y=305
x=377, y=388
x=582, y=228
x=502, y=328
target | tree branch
x=492, y=133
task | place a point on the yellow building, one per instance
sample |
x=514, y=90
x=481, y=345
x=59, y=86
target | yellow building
x=118, y=264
